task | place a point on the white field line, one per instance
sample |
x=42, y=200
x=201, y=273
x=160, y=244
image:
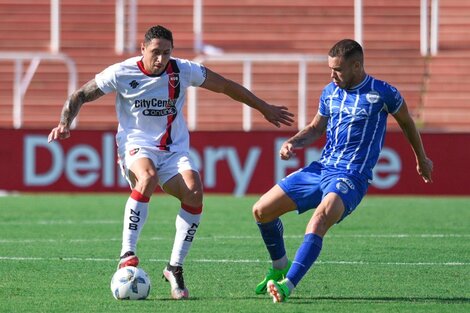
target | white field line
x=84, y=240
x=70, y=259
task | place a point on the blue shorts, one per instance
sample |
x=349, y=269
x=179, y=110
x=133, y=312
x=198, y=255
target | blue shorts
x=309, y=185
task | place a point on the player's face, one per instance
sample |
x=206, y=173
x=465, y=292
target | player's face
x=343, y=73
x=156, y=54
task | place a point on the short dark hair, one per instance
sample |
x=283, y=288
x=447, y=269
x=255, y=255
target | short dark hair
x=347, y=48
x=158, y=31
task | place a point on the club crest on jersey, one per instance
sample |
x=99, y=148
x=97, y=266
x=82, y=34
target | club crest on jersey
x=174, y=79
x=134, y=151
x=373, y=96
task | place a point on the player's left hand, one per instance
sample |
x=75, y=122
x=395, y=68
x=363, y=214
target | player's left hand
x=425, y=168
x=287, y=151
x=59, y=132
x=278, y=115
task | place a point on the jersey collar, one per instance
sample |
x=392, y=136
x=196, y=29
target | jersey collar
x=141, y=66
x=361, y=84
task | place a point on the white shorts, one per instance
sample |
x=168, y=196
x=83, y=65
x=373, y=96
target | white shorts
x=168, y=164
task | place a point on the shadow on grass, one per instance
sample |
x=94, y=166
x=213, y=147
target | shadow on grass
x=324, y=299
x=447, y=300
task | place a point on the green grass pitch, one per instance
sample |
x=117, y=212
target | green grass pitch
x=393, y=254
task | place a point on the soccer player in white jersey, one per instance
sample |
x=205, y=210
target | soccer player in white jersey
x=353, y=111
x=153, y=139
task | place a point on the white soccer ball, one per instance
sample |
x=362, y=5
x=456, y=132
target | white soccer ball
x=130, y=283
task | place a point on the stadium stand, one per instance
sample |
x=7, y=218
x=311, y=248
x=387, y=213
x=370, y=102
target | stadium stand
x=391, y=41
x=446, y=105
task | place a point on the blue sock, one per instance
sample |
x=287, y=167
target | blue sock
x=272, y=233
x=305, y=257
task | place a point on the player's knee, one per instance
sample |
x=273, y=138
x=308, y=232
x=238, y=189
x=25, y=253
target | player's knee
x=194, y=197
x=190, y=195
x=259, y=212
x=320, y=219
x=147, y=180
x=192, y=201
x=319, y=224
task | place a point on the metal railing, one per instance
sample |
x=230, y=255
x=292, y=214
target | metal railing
x=21, y=83
x=429, y=25
x=429, y=39
x=247, y=59
x=125, y=37
x=125, y=27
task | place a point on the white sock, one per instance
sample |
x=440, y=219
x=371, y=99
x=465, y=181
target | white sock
x=135, y=215
x=281, y=263
x=186, y=227
x=289, y=285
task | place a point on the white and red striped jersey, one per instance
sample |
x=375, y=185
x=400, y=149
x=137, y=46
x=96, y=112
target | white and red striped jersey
x=149, y=107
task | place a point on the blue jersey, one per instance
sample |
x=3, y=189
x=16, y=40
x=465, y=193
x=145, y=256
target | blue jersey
x=357, y=123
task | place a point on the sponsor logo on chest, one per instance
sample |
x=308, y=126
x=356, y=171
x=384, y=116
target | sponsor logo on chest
x=156, y=107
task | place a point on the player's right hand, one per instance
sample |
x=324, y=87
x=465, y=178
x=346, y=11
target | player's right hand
x=425, y=168
x=59, y=132
x=287, y=151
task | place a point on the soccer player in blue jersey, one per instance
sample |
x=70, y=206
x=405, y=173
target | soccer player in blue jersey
x=353, y=111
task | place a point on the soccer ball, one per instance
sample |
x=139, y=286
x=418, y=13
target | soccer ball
x=130, y=283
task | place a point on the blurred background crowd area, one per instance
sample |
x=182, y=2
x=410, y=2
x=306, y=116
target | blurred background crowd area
x=277, y=48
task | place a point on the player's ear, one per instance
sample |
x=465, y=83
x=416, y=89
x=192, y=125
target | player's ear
x=142, y=47
x=357, y=65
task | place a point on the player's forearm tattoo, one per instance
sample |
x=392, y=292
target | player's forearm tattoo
x=299, y=142
x=87, y=93
x=301, y=139
x=70, y=110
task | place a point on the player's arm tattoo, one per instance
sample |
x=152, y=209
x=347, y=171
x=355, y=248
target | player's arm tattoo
x=86, y=93
x=310, y=133
x=300, y=140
